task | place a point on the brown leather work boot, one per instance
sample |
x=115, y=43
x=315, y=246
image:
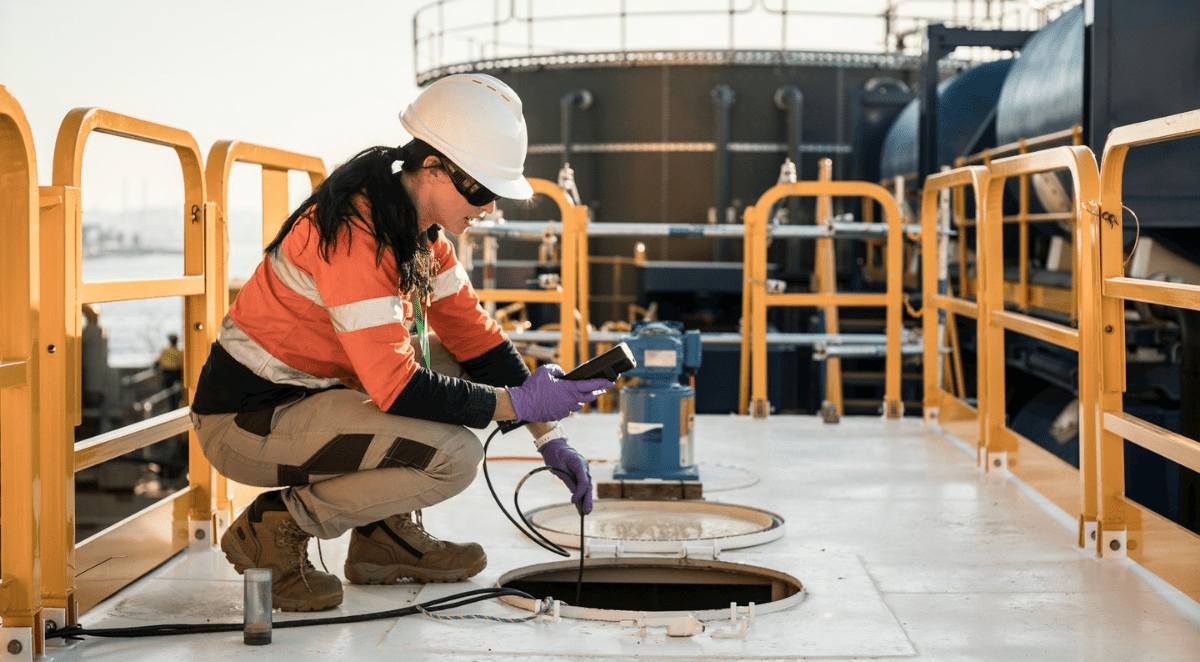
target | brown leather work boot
x=399, y=548
x=267, y=536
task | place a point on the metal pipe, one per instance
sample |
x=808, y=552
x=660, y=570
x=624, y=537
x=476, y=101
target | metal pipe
x=723, y=99
x=534, y=230
x=581, y=98
x=864, y=351
x=826, y=339
x=790, y=100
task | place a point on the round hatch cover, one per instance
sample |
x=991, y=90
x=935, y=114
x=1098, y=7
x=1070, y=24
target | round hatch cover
x=659, y=526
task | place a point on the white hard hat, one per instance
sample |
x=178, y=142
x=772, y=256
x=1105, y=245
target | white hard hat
x=476, y=121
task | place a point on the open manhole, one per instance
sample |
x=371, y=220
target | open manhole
x=650, y=527
x=619, y=589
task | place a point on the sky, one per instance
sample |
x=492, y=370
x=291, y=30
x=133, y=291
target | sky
x=318, y=77
x=312, y=76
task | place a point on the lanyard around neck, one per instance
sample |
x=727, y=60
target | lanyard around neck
x=422, y=331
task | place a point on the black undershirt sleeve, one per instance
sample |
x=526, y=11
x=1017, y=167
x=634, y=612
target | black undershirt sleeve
x=499, y=366
x=434, y=397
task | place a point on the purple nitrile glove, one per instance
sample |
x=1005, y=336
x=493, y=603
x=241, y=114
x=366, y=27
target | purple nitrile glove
x=569, y=465
x=545, y=398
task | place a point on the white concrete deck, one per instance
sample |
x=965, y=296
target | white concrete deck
x=906, y=550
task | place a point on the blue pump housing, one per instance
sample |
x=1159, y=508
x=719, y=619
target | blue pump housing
x=658, y=412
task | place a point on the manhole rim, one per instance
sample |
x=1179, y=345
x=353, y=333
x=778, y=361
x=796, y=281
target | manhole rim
x=596, y=614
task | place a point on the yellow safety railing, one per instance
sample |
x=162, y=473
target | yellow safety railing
x=1023, y=293
x=754, y=334
x=1002, y=443
x=109, y=560
x=21, y=356
x=276, y=164
x=571, y=293
x=941, y=405
x=1126, y=527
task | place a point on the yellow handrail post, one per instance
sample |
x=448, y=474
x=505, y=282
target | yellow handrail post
x=21, y=351
x=747, y=309
x=1023, y=236
x=826, y=273
x=60, y=397
x=583, y=268
x=756, y=228
x=933, y=283
x=201, y=321
x=893, y=405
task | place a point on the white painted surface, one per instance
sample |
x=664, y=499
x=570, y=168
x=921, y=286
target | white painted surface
x=905, y=548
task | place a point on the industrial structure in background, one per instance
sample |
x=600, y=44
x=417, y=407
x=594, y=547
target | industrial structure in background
x=647, y=131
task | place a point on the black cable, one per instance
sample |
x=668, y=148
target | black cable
x=548, y=545
x=579, y=579
x=438, y=604
x=533, y=529
x=545, y=542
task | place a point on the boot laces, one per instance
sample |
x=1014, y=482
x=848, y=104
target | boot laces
x=412, y=525
x=292, y=537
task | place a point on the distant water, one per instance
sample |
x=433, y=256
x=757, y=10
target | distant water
x=137, y=330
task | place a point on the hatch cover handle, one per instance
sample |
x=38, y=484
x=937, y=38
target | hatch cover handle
x=708, y=550
x=705, y=550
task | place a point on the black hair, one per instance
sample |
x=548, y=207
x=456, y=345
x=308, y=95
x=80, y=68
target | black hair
x=393, y=222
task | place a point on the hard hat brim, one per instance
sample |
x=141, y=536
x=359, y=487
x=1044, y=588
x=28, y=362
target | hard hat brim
x=515, y=189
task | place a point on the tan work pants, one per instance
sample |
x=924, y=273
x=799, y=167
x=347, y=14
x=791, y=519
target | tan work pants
x=342, y=461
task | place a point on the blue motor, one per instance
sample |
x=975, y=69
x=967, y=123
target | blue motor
x=657, y=412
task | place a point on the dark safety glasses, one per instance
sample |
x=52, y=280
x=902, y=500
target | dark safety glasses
x=476, y=194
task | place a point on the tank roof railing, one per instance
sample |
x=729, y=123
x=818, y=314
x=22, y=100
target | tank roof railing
x=449, y=35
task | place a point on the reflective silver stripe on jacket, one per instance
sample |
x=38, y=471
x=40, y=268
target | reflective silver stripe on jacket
x=366, y=314
x=449, y=282
x=250, y=354
x=296, y=280
x=346, y=317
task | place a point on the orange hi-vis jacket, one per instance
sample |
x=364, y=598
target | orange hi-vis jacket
x=171, y=358
x=307, y=323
